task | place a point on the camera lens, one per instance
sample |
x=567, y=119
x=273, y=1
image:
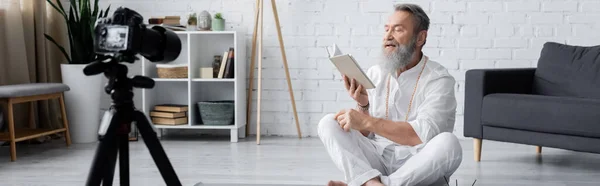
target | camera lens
x=118, y=19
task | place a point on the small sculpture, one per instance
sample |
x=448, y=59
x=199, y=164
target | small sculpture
x=204, y=21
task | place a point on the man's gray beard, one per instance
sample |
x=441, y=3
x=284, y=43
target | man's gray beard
x=398, y=58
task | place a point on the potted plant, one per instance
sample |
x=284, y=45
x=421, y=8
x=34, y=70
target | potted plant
x=192, y=22
x=83, y=99
x=218, y=24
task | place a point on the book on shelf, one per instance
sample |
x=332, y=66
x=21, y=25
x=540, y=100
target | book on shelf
x=169, y=121
x=160, y=114
x=223, y=63
x=171, y=108
x=227, y=64
x=229, y=68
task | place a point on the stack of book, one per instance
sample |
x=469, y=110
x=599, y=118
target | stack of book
x=169, y=114
x=172, y=20
x=226, y=66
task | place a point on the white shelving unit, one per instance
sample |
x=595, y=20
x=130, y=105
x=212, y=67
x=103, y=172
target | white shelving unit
x=198, y=50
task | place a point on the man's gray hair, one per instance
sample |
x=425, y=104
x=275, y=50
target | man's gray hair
x=420, y=18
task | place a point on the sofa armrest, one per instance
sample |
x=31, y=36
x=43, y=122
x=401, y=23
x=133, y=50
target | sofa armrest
x=480, y=82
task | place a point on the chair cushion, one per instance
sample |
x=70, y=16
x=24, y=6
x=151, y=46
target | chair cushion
x=566, y=70
x=550, y=114
x=31, y=89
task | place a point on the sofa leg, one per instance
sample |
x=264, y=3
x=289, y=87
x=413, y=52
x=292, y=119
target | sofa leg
x=477, y=149
x=539, y=149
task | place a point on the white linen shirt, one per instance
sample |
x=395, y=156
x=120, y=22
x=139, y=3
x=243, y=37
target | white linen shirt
x=433, y=108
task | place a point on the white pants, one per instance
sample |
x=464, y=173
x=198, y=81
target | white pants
x=357, y=157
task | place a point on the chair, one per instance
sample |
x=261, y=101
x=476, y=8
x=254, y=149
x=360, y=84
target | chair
x=23, y=93
x=556, y=104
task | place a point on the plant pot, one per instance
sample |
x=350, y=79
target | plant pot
x=218, y=24
x=191, y=27
x=82, y=102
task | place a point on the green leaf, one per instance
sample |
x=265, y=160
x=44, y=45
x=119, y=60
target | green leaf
x=61, y=6
x=59, y=10
x=62, y=49
x=74, y=26
x=95, y=13
x=73, y=16
x=75, y=5
x=73, y=9
x=86, y=4
x=89, y=8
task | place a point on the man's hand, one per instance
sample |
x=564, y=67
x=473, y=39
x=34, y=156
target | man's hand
x=356, y=91
x=352, y=119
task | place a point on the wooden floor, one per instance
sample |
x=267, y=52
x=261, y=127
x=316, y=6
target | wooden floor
x=285, y=161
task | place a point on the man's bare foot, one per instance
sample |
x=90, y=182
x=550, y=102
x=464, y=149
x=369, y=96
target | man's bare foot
x=336, y=183
x=373, y=182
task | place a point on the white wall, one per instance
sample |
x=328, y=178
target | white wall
x=464, y=34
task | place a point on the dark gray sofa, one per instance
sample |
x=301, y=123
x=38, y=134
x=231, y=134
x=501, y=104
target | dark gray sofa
x=556, y=104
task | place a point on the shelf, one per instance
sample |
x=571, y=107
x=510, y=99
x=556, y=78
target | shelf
x=198, y=50
x=170, y=79
x=197, y=126
x=213, y=80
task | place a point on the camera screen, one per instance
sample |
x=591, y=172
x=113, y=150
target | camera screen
x=114, y=38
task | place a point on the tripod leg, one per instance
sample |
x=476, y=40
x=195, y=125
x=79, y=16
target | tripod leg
x=124, y=159
x=285, y=66
x=252, y=62
x=102, y=151
x=156, y=151
x=109, y=170
x=259, y=87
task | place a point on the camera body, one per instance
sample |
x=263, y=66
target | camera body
x=125, y=33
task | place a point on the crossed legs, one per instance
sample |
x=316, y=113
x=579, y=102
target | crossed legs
x=356, y=156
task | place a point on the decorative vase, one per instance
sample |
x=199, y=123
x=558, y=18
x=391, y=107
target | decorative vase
x=218, y=24
x=82, y=102
x=216, y=65
x=204, y=21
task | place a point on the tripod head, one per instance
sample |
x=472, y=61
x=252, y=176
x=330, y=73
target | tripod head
x=119, y=86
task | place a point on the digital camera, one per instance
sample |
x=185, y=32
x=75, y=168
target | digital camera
x=125, y=33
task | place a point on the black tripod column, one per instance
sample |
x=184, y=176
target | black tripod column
x=123, y=139
x=109, y=171
x=104, y=151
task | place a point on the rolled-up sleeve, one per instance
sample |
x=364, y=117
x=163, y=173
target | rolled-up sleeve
x=437, y=112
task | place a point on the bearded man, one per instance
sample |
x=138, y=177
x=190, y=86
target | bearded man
x=401, y=131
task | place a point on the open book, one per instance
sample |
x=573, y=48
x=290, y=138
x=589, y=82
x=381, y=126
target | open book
x=348, y=66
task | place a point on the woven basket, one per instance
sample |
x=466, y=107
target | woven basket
x=216, y=112
x=172, y=71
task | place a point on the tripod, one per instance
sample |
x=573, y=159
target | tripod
x=116, y=125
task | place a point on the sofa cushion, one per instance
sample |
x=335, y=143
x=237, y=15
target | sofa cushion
x=566, y=70
x=550, y=114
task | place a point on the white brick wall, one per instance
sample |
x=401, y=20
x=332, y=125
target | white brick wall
x=464, y=34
